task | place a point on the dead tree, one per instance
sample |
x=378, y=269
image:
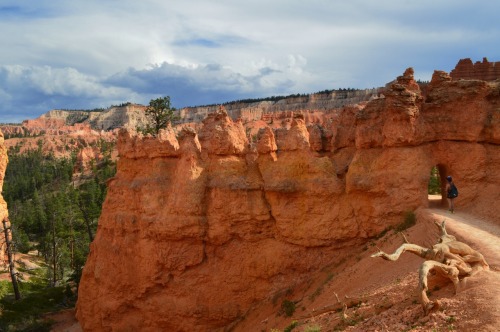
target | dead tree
x=451, y=258
x=13, y=278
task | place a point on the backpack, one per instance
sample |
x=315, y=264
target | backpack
x=453, y=191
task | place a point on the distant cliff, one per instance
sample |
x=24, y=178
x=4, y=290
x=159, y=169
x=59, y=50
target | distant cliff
x=131, y=116
x=265, y=109
x=127, y=116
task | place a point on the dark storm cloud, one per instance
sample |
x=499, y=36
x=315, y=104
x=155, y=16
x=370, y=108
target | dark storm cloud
x=208, y=84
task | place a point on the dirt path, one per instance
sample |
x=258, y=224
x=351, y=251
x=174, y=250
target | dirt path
x=64, y=321
x=480, y=234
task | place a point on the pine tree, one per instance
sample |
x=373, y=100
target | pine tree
x=159, y=114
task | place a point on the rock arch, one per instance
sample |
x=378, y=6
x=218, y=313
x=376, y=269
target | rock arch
x=210, y=212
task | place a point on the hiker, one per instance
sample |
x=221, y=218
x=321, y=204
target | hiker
x=451, y=192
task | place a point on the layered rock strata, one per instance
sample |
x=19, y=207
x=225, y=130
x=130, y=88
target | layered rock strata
x=131, y=116
x=200, y=226
x=60, y=122
x=282, y=108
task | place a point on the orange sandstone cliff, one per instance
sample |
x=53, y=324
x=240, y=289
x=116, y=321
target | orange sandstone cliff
x=4, y=159
x=200, y=226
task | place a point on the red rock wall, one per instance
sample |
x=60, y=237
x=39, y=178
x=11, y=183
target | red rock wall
x=4, y=159
x=200, y=226
x=485, y=70
x=3, y=205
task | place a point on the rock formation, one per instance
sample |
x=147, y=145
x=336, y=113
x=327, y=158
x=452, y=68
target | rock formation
x=63, y=142
x=199, y=226
x=486, y=71
x=89, y=157
x=4, y=159
x=283, y=108
x=59, y=122
x=131, y=116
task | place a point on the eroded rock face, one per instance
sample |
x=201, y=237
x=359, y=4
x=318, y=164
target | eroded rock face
x=62, y=122
x=4, y=159
x=282, y=108
x=198, y=227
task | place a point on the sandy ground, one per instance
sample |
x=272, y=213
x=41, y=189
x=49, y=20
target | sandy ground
x=385, y=293
x=65, y=321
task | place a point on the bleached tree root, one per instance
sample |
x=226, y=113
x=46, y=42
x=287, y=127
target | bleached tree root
x=450, y=272
x=451, y=258
x=413, y=248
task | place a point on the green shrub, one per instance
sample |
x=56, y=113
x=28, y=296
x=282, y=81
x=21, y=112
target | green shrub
x=288, y=307
x=5, y=288
x=290, y=327
x=36, y=299
x=312, y=328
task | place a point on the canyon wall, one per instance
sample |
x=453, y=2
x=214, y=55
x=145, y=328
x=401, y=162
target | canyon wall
x=128, y=116
x=60, y=122
x=131, y=116
x=200, y=226
x=251, y=111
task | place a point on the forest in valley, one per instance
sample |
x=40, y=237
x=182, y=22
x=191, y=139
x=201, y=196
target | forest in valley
x=53, y=213
x=53, y=221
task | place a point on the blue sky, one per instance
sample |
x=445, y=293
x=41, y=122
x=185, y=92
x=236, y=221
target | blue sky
x=84, y=54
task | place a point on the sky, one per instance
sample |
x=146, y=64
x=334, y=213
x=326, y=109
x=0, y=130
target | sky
x=86, y=54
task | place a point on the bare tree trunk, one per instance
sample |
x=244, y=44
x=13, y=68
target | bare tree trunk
x=9, y=255
x=89, y=230
x=54, y=253
x=72, y=246
x=87, y=220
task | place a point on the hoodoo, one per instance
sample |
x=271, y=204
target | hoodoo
x=485, y=70
x=4, y=159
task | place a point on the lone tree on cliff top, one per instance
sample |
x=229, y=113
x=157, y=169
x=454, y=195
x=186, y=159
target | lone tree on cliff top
x=159, y=114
